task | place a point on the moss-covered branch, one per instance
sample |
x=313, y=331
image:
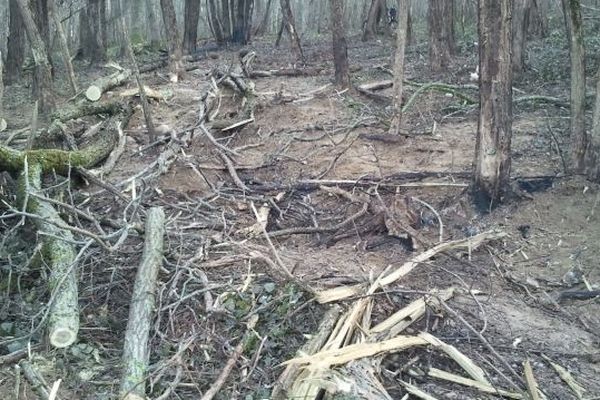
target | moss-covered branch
x=60, y=160
x=59, y=254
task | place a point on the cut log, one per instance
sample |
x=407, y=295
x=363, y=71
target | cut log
x=135, y=348
x=59, y=254
x=99, y=86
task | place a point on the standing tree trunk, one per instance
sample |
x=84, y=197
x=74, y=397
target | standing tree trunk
x=441, y=33
x=494, y=128
x=402, y=31
x=39, y=9
x=173, y=39
x=2, y=120
x=215, y=23
x=190, y=30
x=539, y=18
x=376, y=11
x=290, y=27
x=573, y=23
x=91, y=28
x=64, y=46
x=520, y=21
x=42, y=87
x=262, y=26
x=153, y=24
x=16, y=43
x=592, y=162
x=340, y=48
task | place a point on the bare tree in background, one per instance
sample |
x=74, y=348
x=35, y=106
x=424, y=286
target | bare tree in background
x=377, y=12
x=64, y=46
x=441, y=33
x=190, y=30
x=573, y=23
x=520, y=22
x=289, y=25
x=173, y=39
x=264, y=22
x=92, y=26
x=538, y=16
x=15, y=43
x=340, y=48
x=399, y=66
x=494, y=128
x=592, y=160
x=42, y=82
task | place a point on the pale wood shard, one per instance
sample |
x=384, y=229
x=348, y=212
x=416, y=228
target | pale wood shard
x=293, y=373
x=471, y=243
x=450, y=377
x=404, y=317
x=567, y=378
x=465, y=362
x=327, y=358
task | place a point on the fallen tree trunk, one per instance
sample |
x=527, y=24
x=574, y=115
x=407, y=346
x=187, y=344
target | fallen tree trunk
x=59, y=160
x=58, y=243
x=135, y=348
x=99, y=86
x=59, y=254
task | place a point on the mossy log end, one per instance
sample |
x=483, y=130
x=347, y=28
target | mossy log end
x=60, y=160
x=135, y=348
x=59, y=254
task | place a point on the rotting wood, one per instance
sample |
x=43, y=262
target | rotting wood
x=135, y=348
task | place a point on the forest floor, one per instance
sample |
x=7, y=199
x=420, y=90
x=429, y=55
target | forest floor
x=307, y=130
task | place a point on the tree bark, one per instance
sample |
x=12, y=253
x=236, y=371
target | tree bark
x=64, y=46
x=539, y=18
x=138, y=79
x=290, y=27
x=92, y=39
x=58, y=251
x=441, y=33
x=373, y=17
x=190, y=30
x=135, y=348
x=340, y=48
x=99, y=86
x=264, y=22
x=592, y=162
x=173, y=39
x=2, y=120
x=399, y=67
x=520, y=22
x=153, y=24
x=15, y=43
x=42, y=87
x=494, y=129
x=215, y=23
x=573, y=23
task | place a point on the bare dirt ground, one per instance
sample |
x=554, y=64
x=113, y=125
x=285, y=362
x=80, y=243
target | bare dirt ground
x=553, y=226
